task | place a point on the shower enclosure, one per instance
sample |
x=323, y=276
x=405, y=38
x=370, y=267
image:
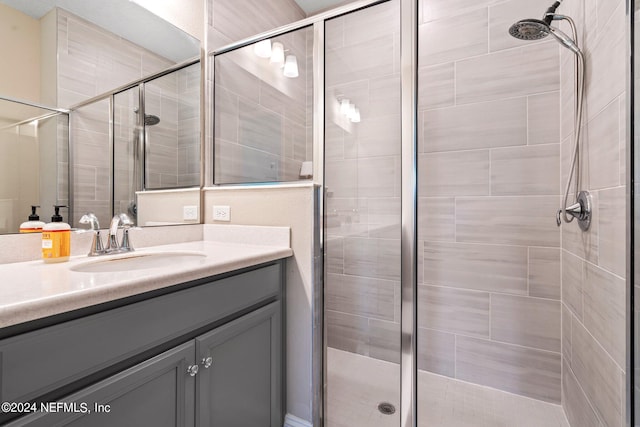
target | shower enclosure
x=444, y=146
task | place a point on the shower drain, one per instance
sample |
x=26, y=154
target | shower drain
x=386, y=408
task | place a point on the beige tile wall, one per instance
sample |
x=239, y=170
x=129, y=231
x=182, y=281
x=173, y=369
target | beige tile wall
x=593, y=263
x=489, y=186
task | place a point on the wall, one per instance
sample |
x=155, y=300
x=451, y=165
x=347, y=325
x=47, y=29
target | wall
x=19, y=187
x=166, y=207
x=289, y=206
x=186, y=15
x=489, y=187
x=593, y=263
x=228, y=21
x=20, y=53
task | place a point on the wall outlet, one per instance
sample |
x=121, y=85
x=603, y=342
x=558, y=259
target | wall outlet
x=190, y=213
x=221, y=213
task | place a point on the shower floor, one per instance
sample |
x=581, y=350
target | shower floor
x=357, y=384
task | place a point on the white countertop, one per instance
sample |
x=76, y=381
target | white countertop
x=33, y=290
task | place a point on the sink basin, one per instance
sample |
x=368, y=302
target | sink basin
x=139, y=261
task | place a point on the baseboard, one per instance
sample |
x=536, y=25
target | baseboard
x=293, y=421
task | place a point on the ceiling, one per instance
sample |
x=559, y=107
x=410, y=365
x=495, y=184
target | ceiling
x=311, y=7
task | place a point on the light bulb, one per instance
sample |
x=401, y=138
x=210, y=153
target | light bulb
x=277, y=54
x=351, y=111
x=263, y=48
x=355, y=117
x=290, y=66
x=344, y=106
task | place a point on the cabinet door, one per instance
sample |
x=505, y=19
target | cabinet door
x=242, y=387
x=158, y=392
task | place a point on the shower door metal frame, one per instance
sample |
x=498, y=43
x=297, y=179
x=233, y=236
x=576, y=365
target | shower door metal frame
x=630, y=413
x=409, y=213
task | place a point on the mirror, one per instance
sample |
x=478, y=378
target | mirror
x=65, y=52
x=161, y=151
x=263, y=111
x=33, y=162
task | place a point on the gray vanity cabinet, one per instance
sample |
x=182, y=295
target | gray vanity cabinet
x=157, y=392
x=241, y=385
x=219, y=365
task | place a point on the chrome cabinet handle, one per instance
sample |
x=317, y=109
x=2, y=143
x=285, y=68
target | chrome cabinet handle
x=207, y=362
x=192, y=370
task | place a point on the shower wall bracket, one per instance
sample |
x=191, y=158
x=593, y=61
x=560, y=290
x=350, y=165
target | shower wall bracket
x=581, y=210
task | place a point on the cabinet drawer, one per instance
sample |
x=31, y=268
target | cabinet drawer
x=41, y=361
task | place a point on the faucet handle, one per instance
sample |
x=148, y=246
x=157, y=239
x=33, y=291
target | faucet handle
x=125, y=246
x=127, y=224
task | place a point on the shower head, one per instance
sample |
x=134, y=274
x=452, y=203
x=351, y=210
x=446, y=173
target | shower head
x=529, y=29
x=151, y=120
x=535, y=29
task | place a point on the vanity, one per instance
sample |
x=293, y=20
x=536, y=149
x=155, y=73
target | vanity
x=198, y=342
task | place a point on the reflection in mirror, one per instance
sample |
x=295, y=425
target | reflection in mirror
x=91, y=158
x=172, y=126
x=263, y=110
x=65, y=52
x=161, y=150
x=78, y=49
x=33, y=162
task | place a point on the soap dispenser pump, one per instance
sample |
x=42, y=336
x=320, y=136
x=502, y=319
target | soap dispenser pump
x=56, y=238
x=34, y=225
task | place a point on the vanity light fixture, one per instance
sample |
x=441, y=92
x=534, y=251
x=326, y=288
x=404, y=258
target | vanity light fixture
x=263, y=48
x=290, y=66
x=276, y=53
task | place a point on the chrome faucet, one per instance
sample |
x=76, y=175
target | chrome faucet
x=123, y=221
x=118, y=221
x=96, y=242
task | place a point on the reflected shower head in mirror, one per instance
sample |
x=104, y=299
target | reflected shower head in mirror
x=151, y=120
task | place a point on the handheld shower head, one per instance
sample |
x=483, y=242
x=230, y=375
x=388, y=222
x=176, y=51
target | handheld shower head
x=535, y=29
x=565, y=40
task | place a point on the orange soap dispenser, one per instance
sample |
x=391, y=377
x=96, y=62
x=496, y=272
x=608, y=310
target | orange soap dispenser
x=56, y=238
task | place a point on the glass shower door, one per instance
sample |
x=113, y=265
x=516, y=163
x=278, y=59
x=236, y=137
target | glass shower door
x=362, y=217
